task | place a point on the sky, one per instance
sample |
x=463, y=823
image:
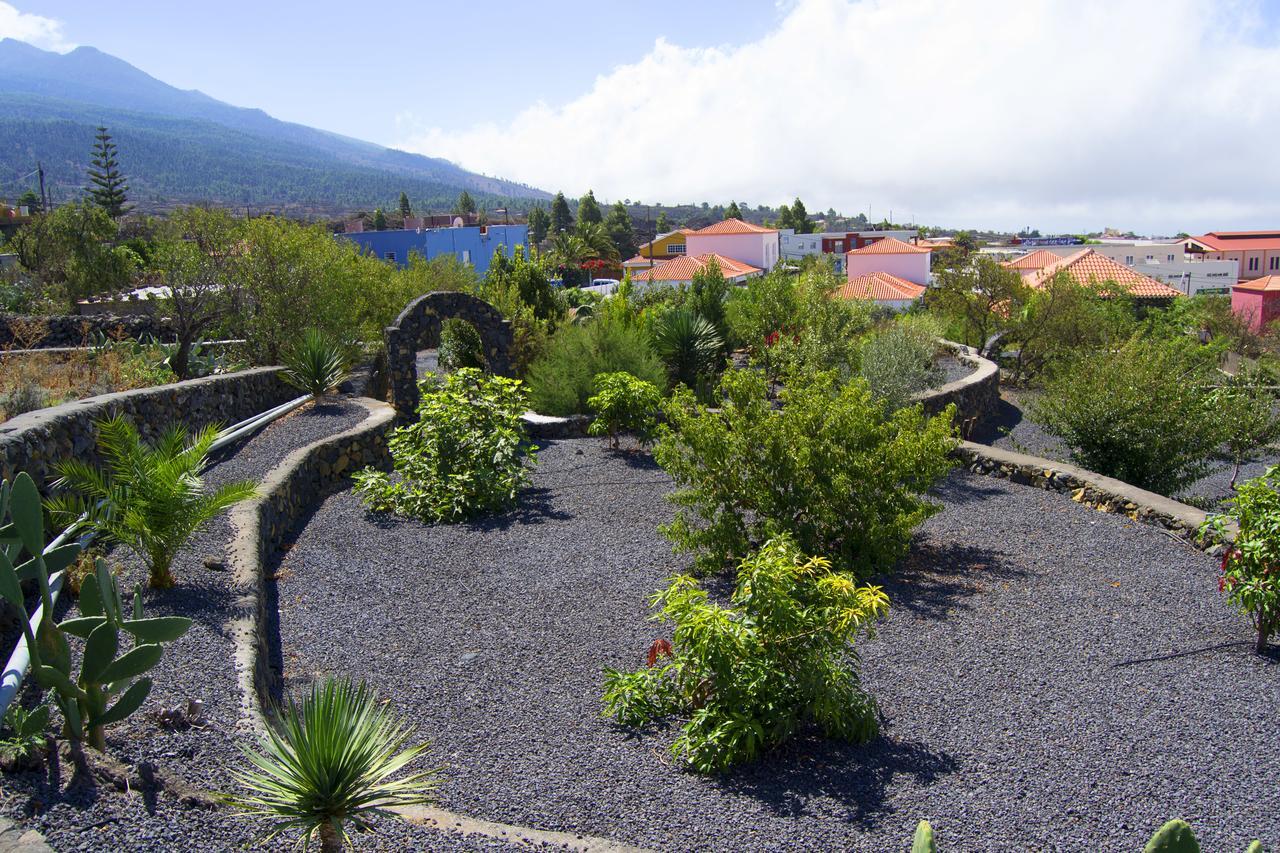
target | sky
x=1153, y=115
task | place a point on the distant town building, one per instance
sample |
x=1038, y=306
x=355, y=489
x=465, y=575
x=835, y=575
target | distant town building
x=744, y=242
x=884, y=289
x=472, y=245
x=664, y=247
x=1089, y=267
x=1165, y=261
x=835, y=243
x=1257, y=301
x=889, y=255
x=680, y=271
x=1256, y=253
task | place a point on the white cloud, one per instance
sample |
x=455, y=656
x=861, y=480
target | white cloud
x=34, y=29
x=1159, y=115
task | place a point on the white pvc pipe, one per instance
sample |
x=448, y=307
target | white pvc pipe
x=20, y=660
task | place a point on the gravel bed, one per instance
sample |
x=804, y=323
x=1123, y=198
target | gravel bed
x=952, y=369
x=74, y=815
x=1013, y=429
x=1050, y=677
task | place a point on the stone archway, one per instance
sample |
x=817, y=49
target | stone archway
x=420, y=322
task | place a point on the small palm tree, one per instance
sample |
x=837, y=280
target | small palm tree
x=688, y=345
x=316, y=364
x=149, y=499
x=328, y=761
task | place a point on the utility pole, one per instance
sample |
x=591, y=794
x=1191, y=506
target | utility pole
x=44, y=198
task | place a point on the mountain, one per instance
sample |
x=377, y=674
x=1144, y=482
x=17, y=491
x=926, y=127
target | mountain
x=180, y=146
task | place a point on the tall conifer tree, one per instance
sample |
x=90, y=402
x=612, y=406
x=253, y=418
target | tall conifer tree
x=107, y=186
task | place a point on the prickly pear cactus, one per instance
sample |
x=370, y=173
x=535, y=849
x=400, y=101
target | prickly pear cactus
x=1174, y=837
x=923, y=842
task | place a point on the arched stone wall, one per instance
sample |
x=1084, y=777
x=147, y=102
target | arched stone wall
x=419, y=325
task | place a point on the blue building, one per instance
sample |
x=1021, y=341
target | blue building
x=473, y=245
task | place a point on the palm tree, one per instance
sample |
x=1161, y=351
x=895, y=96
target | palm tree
x=148, y=499
x=329, y=761
x=597, y=239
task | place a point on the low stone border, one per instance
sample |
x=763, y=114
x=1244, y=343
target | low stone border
x=1104, y=494
x=14, y=839
x=35, y=441
x=260, y=526
x=976, y=396
x=551, y=427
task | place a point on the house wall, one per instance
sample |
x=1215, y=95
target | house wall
x=913, y=267
x=1258, y=309
x=467, y=244
x=759, y=250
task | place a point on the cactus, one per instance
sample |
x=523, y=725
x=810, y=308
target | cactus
x=1174, y=837
x=923, y=842
x=84, y=696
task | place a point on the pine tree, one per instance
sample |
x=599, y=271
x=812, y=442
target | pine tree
x=539, y=222
x=621, y=231
x=663, y=225
x=588, y=210
x=732, y=211
x=785, y=219
x=465, y=204
x=561, y=218
x=107, y=185
x=800, y=218
x=405, y=210
x=379, y=220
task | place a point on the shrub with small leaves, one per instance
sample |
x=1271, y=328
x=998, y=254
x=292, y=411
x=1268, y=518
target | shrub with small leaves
x=748, y=675
x=623, y=403
x=463, y=457
x=1251, y=566
x=897, y=363
x=23, y=744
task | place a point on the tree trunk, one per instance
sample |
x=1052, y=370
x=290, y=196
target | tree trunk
x=1264, y=631
x=179, y=363
x=330, y=839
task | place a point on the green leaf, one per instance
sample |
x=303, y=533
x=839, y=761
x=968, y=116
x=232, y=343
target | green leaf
x=133, y=663
x=52, y=646
x=59, y=558
x=99, y=651
x=90, y=597
x=160, y=629
x=35, y=722
x=923, y=841
x=71, y=713
x=27, y=513
x=128, y=703
x=53, y=679
x=10, y=588
x=82, y=626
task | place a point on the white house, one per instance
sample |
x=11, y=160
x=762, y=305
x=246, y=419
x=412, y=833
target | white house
x=1166, y=261
x=892, y=256
x=835, y=243
x=741, y=241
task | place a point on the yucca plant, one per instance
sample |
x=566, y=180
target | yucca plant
x=316, y=364
x=329, y=761
x=148, y=498
x=688, y=345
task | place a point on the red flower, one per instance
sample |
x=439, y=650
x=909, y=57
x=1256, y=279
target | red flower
x=661, y=648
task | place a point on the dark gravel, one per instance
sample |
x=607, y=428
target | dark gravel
x=1013, y=429
x=951, y=369
x=1051, y=677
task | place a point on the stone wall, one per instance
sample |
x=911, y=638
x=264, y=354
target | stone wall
x=35, y=441
x=976, y=396
x=1094, y=490
x=287, y=495
x=73, y=330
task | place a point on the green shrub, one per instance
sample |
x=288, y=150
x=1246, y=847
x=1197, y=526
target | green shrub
x=560, y=382
x=24, y=745
x=462, y=458
x=460, y=345
x=316, y=364
x=827, y=330
x=830, y=467
x=688, y=345
x=1246, y=408
x=898, y=362
x=329, y=761
x=26, y=397
x=152, y=497
x=1141, y=413
x=747, y=675
x=1250, y=574
x=623, y=403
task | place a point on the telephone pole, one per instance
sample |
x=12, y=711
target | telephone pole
x=44, y=198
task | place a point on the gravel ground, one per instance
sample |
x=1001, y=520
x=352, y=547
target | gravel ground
x=1013, y=429
x=1050, y=677
x=952, y=369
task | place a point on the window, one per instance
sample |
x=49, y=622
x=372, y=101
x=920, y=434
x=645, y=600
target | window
x=675, y=248
x=1275, y=262
x=1171, y=259
x=466, y=257
x=1253, y=264
x=1150, y=258
x=391, y=256
x=1128, y=259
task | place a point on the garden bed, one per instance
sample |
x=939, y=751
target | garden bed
x=1049, y=676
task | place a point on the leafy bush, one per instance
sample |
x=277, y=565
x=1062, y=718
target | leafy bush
x=749, y=674
x=898, y=362
x=329, y=761
x=463, y=456
x=561, y=381
x=152, y=497
x=1251, y=566
x=1063, y=319
x=623, y=403
x=23, y=398
x=1141, y=413
x=460, y=345
x=24, y=745
x=316, y=364
x=827, y=329
x=1247, y=412
x=688, y=345
x=831, y=468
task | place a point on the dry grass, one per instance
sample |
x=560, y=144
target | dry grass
x=60, y=377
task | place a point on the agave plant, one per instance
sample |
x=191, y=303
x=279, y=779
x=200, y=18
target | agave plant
x=327, y=762
x=688, y=344
x=149, y=499
x=316, y=364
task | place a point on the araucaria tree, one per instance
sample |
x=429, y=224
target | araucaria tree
x=589, y=210
x=107, y=185
x=405, y=209
x=465, y=204
x=561, y=216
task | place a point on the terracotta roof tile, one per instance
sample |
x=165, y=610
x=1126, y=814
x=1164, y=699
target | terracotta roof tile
x=1236, y=241
x=734, y=226
x=1089, y=267
x=1266, y=284
x=683, y=269
x=881, y=287
x=889, y=246
x=1037, y=260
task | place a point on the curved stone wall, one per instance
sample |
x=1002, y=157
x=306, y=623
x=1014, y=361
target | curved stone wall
x=72, y=330
x=35, y=441
x=976, y=396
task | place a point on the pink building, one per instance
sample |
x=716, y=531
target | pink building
x=892, y=256
x=1257, y=252
x=742, y=241
x=1257, y=302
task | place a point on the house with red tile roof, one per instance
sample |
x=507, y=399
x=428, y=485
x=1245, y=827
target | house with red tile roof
x=680, y=271
x=664, y=247
x=1256, y=252
x=883, y=289
x=1088, y=267
x=1257, y=301
x=890, y=255
x=744, y=242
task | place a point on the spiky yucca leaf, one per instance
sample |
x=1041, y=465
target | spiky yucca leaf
x=329, y=760
x=316, y=364
x=688, y=344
